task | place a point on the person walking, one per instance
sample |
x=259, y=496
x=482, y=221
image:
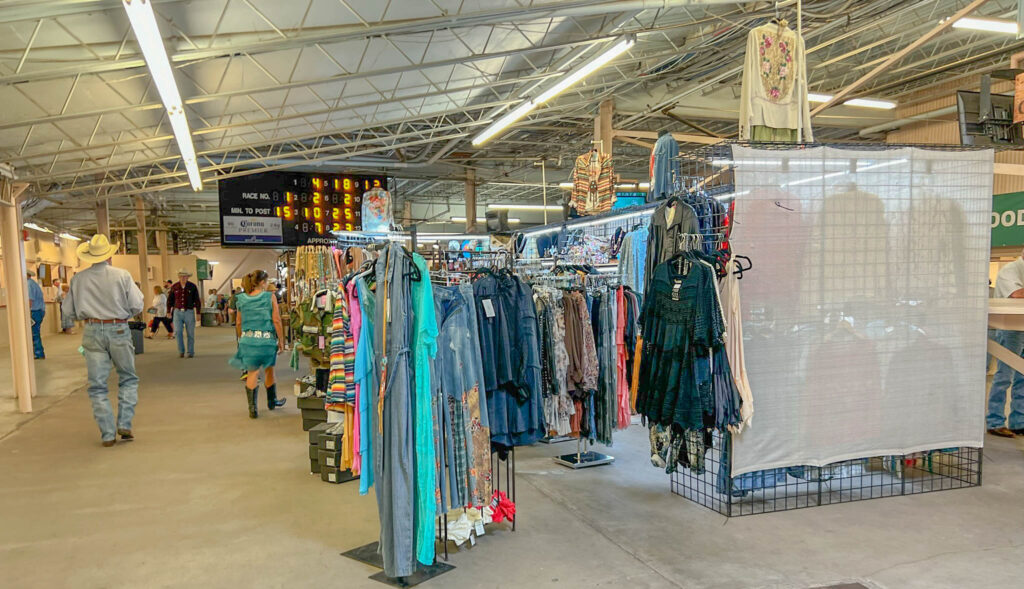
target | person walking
x=158, y=307
x=184, y=306
x=37, y=310
x=1009, y=284
x=260, y=339
x=105, y=298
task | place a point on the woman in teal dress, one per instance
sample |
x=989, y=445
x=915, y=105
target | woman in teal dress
x=260, y=339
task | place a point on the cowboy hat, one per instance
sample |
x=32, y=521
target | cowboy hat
x=97, y=249
x=184, y=272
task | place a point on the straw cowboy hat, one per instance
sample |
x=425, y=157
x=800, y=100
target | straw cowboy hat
x=184, y=272
x=96, y=249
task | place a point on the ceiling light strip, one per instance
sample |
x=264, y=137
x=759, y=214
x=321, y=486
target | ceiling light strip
x=147, y=34
x=617, y=47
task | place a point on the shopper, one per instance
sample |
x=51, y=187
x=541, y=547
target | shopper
x=1009, y=284
x=167, y=286
x=183, y=305
x=260, y=339
x=37, y=310
x=232, y=302
x=66, y=323
x=105, y=298
x=158, y=307
x=222, y=309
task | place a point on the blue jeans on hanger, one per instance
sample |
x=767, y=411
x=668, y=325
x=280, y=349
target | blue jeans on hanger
x=1005, y=376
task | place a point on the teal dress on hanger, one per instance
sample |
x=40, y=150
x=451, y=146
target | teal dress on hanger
x=257, y=348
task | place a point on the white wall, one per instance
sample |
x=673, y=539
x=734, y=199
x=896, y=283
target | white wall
x=236, y=263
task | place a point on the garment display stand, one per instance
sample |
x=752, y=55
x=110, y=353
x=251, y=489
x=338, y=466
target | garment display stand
x=795, y=487
x=370, y=554
x=583, y=458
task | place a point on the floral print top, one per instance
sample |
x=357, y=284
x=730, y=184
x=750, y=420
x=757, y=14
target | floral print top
x=774, y=92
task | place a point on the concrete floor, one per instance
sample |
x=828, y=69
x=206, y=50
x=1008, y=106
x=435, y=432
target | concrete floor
x=208, y=498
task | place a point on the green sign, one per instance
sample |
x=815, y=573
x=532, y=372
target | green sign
x=203, y=270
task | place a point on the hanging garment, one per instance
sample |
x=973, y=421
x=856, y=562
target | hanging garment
x=459, y=379
x=593, y=183
x=633, y=258
x=664, y=168
x=624, y=415
x=774, y=88
x=681, y=325
x=558, y=406
x=762, y=134
x=507, y=322
x=669, y=222
x=355, y=327
x=376, y=210
x=734, y=343
x=392, y=413
x=424, y=349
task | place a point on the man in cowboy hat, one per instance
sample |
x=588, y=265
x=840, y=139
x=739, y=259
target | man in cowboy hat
x=183, y=307
x=37, y=310
x=105, y=299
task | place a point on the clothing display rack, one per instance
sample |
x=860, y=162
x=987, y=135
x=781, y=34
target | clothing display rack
x=714, y=169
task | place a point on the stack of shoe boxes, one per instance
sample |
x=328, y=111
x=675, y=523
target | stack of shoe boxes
x=314, y=447
x=313, y=412
x=329, y=456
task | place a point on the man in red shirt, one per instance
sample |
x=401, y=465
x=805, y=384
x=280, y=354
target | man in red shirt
x=183, y=307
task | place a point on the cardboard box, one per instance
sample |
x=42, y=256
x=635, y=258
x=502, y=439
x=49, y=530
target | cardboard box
x=314, y=467
x=314, y=433
x=329, y=457
x=308, y=424
x=317, y=414
x=330, y=441
x=310, y=403
x=313, y=453
x=336, y=476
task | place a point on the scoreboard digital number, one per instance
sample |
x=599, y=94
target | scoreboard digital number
x=291, y=208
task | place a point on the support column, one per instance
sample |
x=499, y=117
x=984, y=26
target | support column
x=102, y=218
x=19, y=322
x=165, y=258
x=407, y=214
x=603, y=126
x=470, y=200
x=140, y=217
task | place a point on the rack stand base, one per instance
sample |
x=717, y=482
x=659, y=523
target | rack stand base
x=555, y=439
x=368, y=555
x=583, y=459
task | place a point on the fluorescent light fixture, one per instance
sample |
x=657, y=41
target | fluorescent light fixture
x=147, y=34
x=463, y=220
x=816, y=97
x=881, y=165
x=565, y=185
x=66, y=235
x=616, y=49
x=633, y=186
x=990, y=25
x=526, y=207
x=213, y=263
x=37, y=227
x=871, y=103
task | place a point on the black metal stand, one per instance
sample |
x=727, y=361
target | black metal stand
x=369, y=554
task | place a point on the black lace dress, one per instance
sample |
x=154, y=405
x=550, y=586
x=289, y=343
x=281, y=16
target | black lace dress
x=682, y=322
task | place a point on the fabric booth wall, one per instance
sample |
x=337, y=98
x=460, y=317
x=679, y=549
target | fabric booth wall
x=865, y=312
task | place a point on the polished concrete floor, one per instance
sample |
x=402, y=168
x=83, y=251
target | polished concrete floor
x=208, y=498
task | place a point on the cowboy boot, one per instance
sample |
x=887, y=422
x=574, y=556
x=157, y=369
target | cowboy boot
x=272, y=401
x=250, y=395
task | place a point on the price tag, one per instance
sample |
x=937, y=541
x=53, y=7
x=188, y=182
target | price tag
x=488, y=308
x=480, y=528
x=321, y=342
x=472, y=540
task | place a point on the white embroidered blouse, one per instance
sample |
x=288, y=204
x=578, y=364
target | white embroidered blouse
x=774, y=91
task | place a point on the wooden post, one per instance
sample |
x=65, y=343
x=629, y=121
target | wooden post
x=165, y=258
x=604, y=126
x=140, y=217
x=19, y=321
x=102, y=218
x=470, y=200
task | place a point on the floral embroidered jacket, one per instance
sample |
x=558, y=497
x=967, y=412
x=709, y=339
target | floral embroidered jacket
x=774, y=92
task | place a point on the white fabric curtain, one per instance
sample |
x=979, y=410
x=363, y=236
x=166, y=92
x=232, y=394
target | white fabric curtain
x=864, y=317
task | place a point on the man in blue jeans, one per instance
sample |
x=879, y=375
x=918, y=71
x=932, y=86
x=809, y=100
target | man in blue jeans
x=183, y=307
x=105, y=299
x=1009, y=284
x=37, y=309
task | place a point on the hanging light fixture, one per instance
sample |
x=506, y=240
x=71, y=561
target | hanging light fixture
x=147, y=34
x=617, y=48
